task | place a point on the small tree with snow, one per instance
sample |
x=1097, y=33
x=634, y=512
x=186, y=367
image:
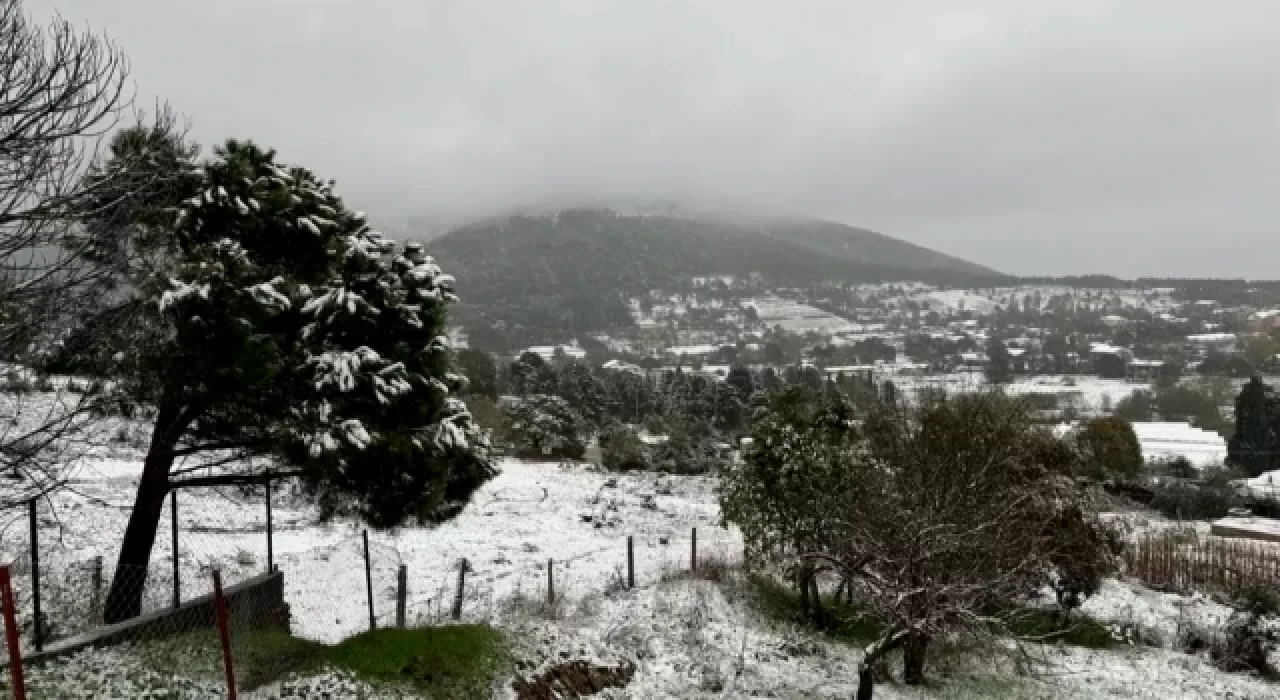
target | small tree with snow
x=286, y=328
x=542, y=425
x=942, y=513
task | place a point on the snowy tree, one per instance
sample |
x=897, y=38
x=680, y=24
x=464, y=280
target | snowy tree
x=943, y=514
x=285, y=328
x=543, y=425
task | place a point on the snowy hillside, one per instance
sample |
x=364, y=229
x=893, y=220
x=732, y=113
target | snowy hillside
x=686, y=636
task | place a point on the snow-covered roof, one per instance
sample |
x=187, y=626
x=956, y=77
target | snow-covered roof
x=1105, y=349
x=1146, y=363
x=691, y=349
x=1211, y=337
x=1167, y=440
x=650, y=439
x=547, y=352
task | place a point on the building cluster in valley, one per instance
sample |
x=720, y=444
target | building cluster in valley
x=1076, y=352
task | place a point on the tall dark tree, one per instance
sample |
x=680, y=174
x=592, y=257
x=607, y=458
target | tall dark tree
x=1254, y=444
x=999, y=368
x=285, y=328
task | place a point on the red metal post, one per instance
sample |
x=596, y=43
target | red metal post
x=11, y=635
x=220, y=609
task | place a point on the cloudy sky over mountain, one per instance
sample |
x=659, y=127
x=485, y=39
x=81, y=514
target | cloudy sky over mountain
x=1133, y=137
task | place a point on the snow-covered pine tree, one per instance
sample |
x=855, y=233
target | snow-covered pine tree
x=288, y=329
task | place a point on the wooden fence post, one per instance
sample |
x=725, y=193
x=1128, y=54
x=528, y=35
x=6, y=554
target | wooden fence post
x=462, y=582
x=693, y=551
x=631, y=563
x=224, y=632
x=38, y=618
x=402, y=592
x=368, y=582
x=11, y=635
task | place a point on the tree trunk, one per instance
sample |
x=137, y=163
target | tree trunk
x=866, y=683
x=816, y=596
x=802, y=580
x=913, y=653
x=124, y=600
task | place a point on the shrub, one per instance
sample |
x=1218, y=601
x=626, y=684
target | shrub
x=1244, y=645
x=622, y=450
x=1110, y=448
x=1209, y=497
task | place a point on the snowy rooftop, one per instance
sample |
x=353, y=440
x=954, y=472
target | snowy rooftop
x=1169, y=440
x=692, y=349
x=547, y=352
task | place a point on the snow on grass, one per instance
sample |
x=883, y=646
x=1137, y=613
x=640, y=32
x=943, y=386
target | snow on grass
x=687, y=637
x=698, y=639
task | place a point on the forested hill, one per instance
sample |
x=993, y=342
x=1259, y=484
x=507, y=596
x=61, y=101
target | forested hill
x=569, y=271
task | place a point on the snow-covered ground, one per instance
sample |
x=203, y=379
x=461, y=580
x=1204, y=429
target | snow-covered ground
x=1084, y=392
x=687, y=637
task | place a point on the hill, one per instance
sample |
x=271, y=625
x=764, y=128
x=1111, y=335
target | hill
x=570, y=271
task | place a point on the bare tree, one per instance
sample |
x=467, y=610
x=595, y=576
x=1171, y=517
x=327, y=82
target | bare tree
x=944, y=515
x=60, y=90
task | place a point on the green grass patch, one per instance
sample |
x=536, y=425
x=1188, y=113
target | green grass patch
x=841, y=621
x=456, y=661
x=1079, y=631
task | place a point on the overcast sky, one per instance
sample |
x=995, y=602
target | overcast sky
x=1133, y=137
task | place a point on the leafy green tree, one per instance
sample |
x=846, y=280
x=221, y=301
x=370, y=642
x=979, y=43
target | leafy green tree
x=1110, y=447
x=282, y=326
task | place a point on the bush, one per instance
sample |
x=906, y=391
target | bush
x=1110, y=448
x=1179, y=467
x=622, y=450
x=1209, y=497
x=1244, y=645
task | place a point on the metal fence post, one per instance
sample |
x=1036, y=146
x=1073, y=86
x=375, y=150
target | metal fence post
x=38, y=621
x=551, y=582
x=270, y=548
x=368, y=582
x=462, y=583
x=402, y=593
x=173, y=529
x=693, y=551
x=631, y=563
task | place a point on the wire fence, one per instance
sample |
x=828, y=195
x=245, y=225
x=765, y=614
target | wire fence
x=350, y=583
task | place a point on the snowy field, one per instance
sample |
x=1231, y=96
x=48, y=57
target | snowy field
x=687, y=638
x=1085, y=392
x=795, y=317
x=984, y=301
